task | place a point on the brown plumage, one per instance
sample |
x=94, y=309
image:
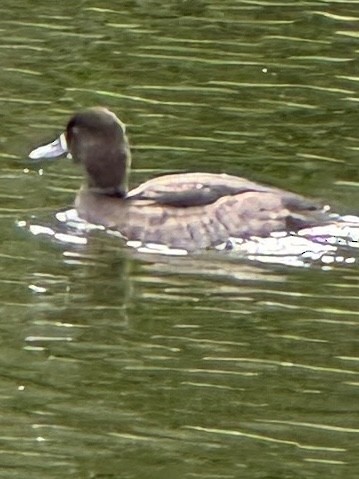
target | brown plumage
x=190, y=211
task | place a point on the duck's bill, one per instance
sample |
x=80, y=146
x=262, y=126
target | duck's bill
x=52, y=150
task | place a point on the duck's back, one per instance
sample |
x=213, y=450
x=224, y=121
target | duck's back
x=200, y=210
x=193, y=189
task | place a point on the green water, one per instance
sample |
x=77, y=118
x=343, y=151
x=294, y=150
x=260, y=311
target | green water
x=117, y=365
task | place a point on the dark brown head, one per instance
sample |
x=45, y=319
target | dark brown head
x=95, y=138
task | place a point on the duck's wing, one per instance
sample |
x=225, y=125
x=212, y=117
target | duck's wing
x=192, y=189
x=200, y=189
x=235, y=198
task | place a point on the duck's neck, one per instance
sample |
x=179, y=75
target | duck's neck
x=108, y=170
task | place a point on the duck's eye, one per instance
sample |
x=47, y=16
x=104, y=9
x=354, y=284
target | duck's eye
x=73, y=133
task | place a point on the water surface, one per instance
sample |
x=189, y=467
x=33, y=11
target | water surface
x=117, y=364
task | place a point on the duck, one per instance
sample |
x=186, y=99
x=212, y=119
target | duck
x=190, y=211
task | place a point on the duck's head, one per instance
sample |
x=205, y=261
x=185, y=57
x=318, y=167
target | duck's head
x=95, y=138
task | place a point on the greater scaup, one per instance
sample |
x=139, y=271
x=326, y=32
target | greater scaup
x=191, y=211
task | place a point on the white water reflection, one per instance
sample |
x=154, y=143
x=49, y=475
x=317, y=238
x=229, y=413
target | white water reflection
x=327, y=245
